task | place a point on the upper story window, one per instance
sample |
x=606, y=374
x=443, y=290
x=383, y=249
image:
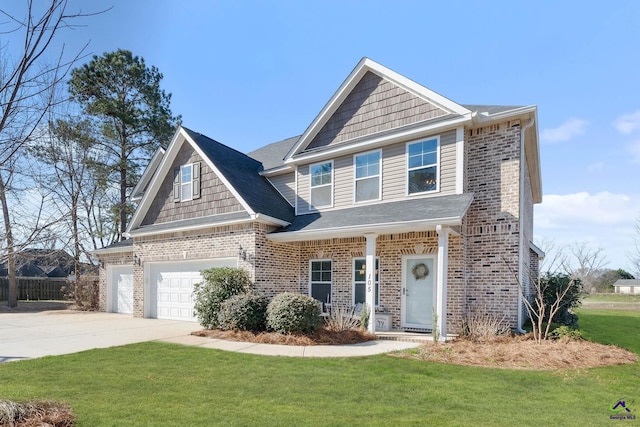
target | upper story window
x=186, y=182
x=422, y=162
x=368, y=172
x=321, y=187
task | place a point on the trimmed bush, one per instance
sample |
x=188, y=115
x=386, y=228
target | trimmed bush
x=244, y=312
x=553, y=285
x=219, y=285
x=289, y=312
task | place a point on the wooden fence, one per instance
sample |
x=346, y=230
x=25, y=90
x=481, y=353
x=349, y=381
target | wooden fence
x=35, y=288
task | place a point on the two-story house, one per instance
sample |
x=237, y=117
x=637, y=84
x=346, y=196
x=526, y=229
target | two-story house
x=393, y=193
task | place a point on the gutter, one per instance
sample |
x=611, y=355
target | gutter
x=521, y=271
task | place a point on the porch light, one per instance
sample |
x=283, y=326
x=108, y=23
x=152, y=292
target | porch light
x=243, y=255
x=363, y=270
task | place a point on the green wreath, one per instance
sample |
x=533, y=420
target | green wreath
x=420, y=271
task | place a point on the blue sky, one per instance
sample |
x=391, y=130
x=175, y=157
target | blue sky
x=250, y=73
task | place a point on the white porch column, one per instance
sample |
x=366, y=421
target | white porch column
x=441, y=280
x=370, y=266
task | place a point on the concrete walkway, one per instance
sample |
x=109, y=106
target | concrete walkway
x=37, y=334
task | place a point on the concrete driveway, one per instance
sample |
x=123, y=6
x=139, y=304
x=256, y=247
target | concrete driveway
x=25, y=335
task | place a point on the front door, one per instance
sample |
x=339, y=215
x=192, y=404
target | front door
x=418, y=291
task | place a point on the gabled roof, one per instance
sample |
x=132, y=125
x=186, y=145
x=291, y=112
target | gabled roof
x=366, y=65
x=238, y=172
x=150, y=170
x=242, y=173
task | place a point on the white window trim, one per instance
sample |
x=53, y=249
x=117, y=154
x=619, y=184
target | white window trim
x=311, y=187
x=437, y=165
x=354, y=282
x=188, y=165
x=355, y=179
x=322, y=282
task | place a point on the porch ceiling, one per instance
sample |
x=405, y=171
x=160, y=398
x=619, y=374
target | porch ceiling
x=381, y=218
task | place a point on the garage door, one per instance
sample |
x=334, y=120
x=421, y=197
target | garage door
x=172, y=286
x=121, y=289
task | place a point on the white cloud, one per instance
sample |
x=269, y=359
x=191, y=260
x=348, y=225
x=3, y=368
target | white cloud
x=566, y=131
x=601, y=220
x=627, y=123
x=583, y=210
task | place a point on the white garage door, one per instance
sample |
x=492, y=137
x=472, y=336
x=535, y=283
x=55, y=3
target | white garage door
x=121, y=294
x=172, y=286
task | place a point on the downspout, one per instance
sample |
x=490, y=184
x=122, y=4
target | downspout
x=521, y=254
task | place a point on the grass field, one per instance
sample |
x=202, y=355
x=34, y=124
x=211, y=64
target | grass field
x=613, y=298
x=153, y=384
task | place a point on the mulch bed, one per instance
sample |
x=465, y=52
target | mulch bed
x=321, y=337
x=522, y=352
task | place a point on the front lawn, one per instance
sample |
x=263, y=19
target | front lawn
x=165, y=384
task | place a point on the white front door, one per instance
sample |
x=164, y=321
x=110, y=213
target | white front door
x=121, y=295
x=418, y=291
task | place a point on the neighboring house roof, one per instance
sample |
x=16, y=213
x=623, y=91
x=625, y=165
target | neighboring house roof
x=627, y=282
x=30, y=270
x=391, y=217
x=38, y=262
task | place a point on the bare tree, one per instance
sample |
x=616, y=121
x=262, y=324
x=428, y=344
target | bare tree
x=555, y=256
x=69, y=154
x=585, y=262
x=27, y=92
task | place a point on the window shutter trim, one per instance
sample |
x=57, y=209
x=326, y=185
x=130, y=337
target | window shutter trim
x=176, y=185
x=196, y=180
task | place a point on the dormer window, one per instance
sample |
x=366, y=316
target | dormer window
x=321, y=175
x=186, y=182
x=422, y=162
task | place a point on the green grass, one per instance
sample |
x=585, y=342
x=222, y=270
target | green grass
x=159, y=384
x=612, y=298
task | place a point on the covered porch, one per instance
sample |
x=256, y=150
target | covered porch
x=396, y=258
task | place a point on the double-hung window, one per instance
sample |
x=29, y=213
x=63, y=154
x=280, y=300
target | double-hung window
x=321, y=186
x=367, y=180
x=320, y=284
x=186, y=182
x=422, y=162
x=360, y=281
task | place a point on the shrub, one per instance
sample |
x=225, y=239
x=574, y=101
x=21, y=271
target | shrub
x=219, y=285
x=342, y=319
x=553, y=285
x=35, y=413
x=565, y=331
x=244, y=312
x=289, y=312
x=481, y=326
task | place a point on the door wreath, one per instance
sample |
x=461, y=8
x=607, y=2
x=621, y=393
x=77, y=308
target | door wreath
x=420, y=271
